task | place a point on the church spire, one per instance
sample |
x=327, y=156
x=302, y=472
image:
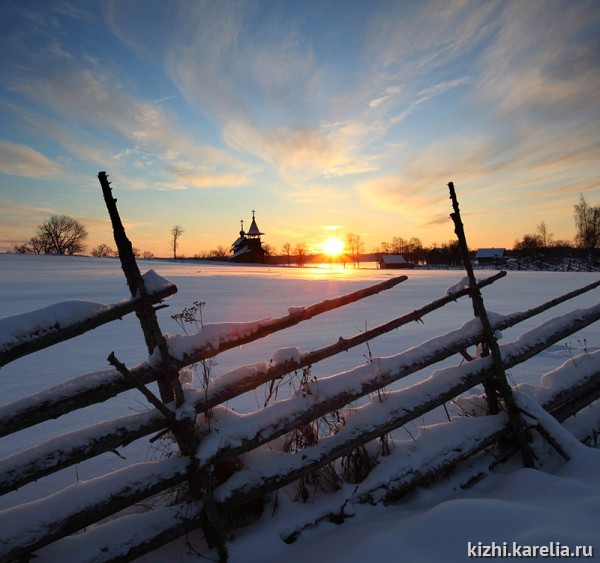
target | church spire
x=254, y=231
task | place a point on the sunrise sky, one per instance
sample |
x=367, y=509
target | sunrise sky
x=326, y=117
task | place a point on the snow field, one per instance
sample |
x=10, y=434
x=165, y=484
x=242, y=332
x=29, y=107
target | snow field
x=245, y=294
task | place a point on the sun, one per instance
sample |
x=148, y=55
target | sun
x=333, y=246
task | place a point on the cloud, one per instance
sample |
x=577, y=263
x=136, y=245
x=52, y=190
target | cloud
x=208, y=41
x=86, y=103
x=22, y=160
x=409, y=40
x=302, y=154
x=529, y=120
x=66, y=8
x=195, y=176
x=88, y=107
x=315, y=194
x=417, y=187
x=11, y=209
x=427, y=94
x=389, y=93
x=273, y=101
x=17, y=221
x=273, y=96
x=512, y=166
x=229, y=59
x=70, y=90
x=402, y=194
x=285, y=73
x=543, y=63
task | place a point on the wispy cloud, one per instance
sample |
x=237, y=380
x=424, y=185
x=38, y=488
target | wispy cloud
x=301, y=154
x=405, y=39
x=275, y=99
x=315, y=194
x=21, y=160
x=17, y=221
x=388, y=94
x=95, y=101
x=530, y=114
x=196, y=176
x=427, y=94
x=23, y=210
x=543, y=61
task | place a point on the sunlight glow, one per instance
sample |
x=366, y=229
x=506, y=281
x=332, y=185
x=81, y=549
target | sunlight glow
x=332, y=246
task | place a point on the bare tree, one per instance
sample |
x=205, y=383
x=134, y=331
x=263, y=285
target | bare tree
x=176, y=232
x=269, y=249
x=103, y=250
x=287, y=250
x=529, y=244
x=544, y=236
x=355, y=246
x=587, y=222
x=300, y=254
x=22, y=249
x=384, y=248
x=39, y=246
x=219, y=253
x=60, y=234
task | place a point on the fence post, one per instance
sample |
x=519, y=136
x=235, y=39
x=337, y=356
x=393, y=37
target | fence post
x=168, y=384
x=500, y=383
x=146, y=314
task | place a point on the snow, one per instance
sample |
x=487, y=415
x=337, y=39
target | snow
x=297, y=309
x=32, y=327
x=552, y=508
x=154, y=282
x=18, y=527
x=459, y=286
x=283, y=355
x=527, y=507
x=393, y=259
x=20, y=328
x=212, y=335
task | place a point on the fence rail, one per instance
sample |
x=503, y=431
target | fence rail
x=213, y=467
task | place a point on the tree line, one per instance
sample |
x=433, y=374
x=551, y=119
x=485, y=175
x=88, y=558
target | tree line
x=64, y=235
x=61, y=234
x=587, y=232
x=587, y=238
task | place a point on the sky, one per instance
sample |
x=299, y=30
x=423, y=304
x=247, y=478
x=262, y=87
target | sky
x=325, y=117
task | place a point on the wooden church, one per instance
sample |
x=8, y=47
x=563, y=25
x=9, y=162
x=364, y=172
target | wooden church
x=248, y=247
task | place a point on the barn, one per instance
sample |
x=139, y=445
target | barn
x=489, y=256
x=394, y=261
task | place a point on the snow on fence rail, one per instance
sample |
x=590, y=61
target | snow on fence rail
x=221, y=478
x=30, y=332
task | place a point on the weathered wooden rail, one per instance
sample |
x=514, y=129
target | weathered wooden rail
x=221, y=480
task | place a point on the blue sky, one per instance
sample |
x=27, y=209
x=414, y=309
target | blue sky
x=326, y=117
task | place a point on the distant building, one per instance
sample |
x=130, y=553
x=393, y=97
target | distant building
x=438, y=257
x=394, y=261
x=247, y=248
x=489, y=256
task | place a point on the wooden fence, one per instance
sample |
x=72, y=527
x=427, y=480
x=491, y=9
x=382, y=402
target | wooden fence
x=219, y=484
